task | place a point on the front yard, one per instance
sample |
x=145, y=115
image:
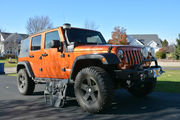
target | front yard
x=7, y=63
x=169, y=82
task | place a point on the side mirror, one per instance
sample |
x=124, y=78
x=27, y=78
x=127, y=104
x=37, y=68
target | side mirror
x=57, y=44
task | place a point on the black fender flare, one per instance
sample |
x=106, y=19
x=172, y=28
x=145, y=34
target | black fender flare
x=109, y=59
x=27, y=66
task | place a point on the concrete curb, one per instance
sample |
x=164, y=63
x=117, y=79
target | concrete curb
x=168, y=64
x=10, y=70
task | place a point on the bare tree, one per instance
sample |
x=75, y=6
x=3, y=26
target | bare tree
x=90, y=25
x=38, y=23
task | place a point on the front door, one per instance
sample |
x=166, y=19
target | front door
x=35, y=56
x=53, y=63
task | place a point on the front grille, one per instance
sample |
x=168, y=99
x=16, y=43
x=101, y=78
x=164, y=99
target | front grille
x=133, y=57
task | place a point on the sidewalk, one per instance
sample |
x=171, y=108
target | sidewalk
x=9, y=70
x=173, y=64
x=168, y=64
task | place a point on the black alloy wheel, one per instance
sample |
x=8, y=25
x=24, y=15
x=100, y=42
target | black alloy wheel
x=24, y=83
x=93, y=89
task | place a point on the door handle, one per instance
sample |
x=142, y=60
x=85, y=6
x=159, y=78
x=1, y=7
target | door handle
x=45, y=54
x=31, y=56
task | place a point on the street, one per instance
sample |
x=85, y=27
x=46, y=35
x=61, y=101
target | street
x=156, y=106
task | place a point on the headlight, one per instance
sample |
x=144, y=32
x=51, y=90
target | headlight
x=120, y=54
x=144, y=52
x=152, y=52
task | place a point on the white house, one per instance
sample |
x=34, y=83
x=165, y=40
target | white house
x=9, y=42
x=133, y=41
x=151, y=40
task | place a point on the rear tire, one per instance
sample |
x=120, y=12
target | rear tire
x=24, y=83
x=93, y=89
x=143, y=89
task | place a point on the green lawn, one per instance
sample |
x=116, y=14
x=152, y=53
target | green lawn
x=169, y=81
x=7, y=64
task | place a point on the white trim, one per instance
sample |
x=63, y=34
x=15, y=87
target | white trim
x=1, y=38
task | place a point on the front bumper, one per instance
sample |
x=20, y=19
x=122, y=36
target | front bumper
x=138, y=72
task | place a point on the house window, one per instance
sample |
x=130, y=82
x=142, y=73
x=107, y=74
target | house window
x=36, y=43
x=10, y=51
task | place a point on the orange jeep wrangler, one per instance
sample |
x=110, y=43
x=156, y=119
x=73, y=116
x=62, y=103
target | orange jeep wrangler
x=67, y=57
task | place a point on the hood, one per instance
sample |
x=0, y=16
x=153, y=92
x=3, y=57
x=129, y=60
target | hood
x=91, y=48
x=83, y=48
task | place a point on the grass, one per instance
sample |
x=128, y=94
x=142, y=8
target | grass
x=169, y=82
x=7, y=64
x=171, y=66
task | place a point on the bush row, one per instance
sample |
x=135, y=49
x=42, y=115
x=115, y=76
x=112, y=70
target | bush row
x=8, y=56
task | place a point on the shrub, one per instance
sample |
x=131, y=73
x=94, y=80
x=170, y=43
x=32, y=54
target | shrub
x=9, y=56
x=169, y=55
x=161, y=55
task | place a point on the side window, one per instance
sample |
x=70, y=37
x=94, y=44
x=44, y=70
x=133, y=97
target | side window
x=36, y=43
x=24, y=50
x=49, y=37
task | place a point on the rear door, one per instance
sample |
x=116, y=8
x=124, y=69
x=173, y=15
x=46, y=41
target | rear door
x=35, y=55
x=53, y=63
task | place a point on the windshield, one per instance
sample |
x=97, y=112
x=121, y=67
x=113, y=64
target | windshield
x=85, y=36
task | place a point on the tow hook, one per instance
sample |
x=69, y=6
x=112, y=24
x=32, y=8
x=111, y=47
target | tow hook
x=142, y=77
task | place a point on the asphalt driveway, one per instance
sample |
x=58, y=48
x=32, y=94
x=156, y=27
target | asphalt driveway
x=13, y=106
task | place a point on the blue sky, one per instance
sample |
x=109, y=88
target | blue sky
x=160, y=17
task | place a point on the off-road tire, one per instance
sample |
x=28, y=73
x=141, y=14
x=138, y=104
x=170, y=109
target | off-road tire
x=24, y=83
x=101, y=86
x=145, y=89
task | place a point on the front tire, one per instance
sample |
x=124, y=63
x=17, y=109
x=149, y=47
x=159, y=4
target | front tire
x=93, y=89
x=25, y=84
x=144, y=89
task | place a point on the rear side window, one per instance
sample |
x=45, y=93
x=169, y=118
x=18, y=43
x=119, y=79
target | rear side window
x=36, y=43
x=49, y=37
x=24, y=50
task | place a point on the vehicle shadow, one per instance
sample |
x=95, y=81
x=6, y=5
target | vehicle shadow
x=38, y=93
x=125, y=103
x=157, y=105
x=124, y=106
